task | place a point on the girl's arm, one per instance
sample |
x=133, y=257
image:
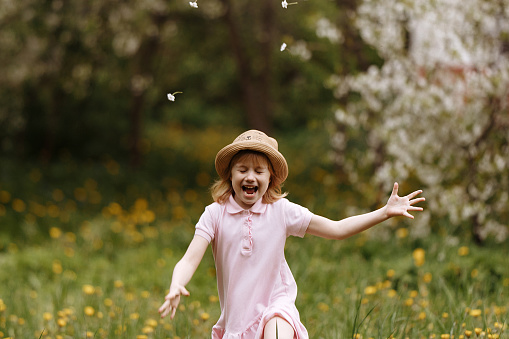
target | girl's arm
x=182, y=273
x=396, y=206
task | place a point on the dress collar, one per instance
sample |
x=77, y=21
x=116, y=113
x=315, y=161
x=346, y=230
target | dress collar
x=232, y=207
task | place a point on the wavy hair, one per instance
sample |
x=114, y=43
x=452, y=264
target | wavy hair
x=222, y=189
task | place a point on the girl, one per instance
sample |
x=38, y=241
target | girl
x=247, y=226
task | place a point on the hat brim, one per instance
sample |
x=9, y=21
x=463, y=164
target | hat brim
x=225, y=155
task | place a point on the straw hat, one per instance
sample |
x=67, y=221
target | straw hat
x=255, y=141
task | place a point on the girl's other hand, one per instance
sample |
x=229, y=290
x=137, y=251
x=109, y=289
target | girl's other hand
x=397, y=206
x=172, y=301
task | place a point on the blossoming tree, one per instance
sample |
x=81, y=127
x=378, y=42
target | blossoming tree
x=436, y=112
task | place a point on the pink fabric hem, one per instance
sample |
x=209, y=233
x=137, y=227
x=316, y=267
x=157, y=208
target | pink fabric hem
x=255, y=330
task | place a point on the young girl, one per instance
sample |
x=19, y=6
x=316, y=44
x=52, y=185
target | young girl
x=247, y=226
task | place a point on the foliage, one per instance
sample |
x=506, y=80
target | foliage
x=435, y=114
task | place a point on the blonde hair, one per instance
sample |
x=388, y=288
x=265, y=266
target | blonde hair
x=222, y=189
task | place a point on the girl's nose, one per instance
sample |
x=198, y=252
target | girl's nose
x=250, y=176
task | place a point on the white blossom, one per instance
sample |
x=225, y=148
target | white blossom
x=285, y=4
x=283, y=47
x=436, y=110
x=171, y=96
x=194, y=4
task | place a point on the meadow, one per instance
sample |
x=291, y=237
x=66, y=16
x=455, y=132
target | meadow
x=87, y=251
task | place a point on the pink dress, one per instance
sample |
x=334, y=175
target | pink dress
x=253, y=279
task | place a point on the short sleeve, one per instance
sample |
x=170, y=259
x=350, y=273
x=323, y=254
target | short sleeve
x=206, y=226
x=297, y=218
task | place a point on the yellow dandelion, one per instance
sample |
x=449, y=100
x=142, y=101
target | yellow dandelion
x=118, y=283
x=89, y=310
x=205, y=316
x=57, y=267
x=47, y=316
x=89, y=334
x=370, y=290
x=422, y=315
x=147, y=330
x=69, y=252
x=55, y=232
x=134, y=316
x=414, y=294
x=61, y=322
x=445, y=336
x=5, y=197
x=323, y=307
x=88, y=289
x=409, y=302
x=141, y=336
x=145, y=294
x=390, y=273
x=151, y=322
x=213, y=298
x=108, y=302
x=468, y=333
x=445, y=315
x=392, y=293
x=19, y=205
x=475, y=313
x=463, y=251
x=419, y=256
x=427, y=277
x=402, y=233
x=477, y=330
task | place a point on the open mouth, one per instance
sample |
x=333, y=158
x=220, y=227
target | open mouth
x=250, y=189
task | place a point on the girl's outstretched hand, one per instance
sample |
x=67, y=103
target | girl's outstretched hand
x=172, y=301
x=397, y=205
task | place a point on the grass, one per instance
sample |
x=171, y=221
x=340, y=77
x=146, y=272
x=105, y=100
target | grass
x=88, y=251
x=107, y=280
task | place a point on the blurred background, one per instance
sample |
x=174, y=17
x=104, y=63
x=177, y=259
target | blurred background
x=102, y=177
x=359, y=94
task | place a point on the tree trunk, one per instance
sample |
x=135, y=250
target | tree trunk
x=254, y=83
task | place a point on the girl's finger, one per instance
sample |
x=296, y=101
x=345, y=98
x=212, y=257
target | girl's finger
x=395, y=189
x=184, y=292
x=413, y=194
x=164, y=306
x=406, y=214
x=415, y=201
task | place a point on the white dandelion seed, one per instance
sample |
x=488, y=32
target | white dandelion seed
x=171, y=96
x=283, y=47
x=285, y=4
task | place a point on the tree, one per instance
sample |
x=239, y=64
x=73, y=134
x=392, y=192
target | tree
x=436, y=111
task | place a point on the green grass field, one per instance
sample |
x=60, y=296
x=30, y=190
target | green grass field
x=87, y=251
x=107, y=278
